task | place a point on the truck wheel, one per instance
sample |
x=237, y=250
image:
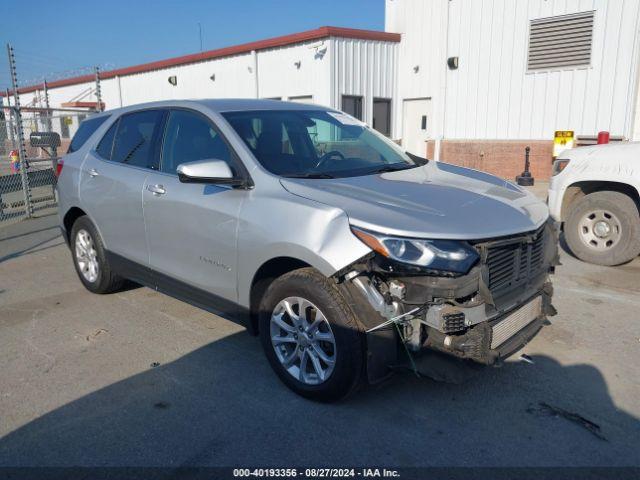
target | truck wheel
x=604, y=228
x=90, y=260
x=311, y=336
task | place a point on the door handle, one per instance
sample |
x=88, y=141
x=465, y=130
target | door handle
x=156, y=189
x=93, y=172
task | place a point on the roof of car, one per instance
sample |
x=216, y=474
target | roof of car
x=223, y=105
x=242, y=104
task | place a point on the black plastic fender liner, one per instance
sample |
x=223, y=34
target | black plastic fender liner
x=382, y=344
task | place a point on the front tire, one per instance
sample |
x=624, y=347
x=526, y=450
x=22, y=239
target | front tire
x=89, y=258
x=311, y=336
x=604, y=228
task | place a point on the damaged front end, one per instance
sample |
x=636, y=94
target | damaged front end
x=484, y=314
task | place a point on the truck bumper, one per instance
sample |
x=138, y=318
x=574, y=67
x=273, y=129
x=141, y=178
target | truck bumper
x=555, y=204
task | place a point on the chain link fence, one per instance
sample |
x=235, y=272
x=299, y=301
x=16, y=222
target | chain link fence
x=28, y=188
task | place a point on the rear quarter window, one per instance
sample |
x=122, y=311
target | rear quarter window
x=87, y=128
x=105, y=146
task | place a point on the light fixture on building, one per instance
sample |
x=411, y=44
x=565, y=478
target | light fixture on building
x=452, y=62
x=298, y=64
x=173, y=80
x=320, y=49
x=213, y=77
x=416, y=69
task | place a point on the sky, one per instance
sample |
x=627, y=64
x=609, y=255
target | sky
x=58, y=39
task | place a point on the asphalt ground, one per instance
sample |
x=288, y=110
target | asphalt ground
x=137, y=378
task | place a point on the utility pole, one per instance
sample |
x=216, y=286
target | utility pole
x=22, y=148
x=98, y=92
x=12, y=135
x=49, y=125
x=46, y=104
x=200, y=32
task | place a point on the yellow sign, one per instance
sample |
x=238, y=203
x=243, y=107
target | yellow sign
x=68, y=120
x=562, y=140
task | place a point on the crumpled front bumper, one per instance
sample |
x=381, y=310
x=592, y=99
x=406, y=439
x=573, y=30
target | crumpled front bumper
x=481, y=316
x=477, y=343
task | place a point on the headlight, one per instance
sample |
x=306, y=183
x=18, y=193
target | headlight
x=558, y=166
x=446, y=255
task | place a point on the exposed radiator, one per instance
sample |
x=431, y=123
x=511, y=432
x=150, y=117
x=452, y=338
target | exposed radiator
x=516, y=321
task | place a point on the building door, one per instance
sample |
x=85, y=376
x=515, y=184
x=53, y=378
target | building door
x=352, y=105
x=382, y=115
x=416, y=125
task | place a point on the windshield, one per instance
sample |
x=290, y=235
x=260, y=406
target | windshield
x=316, y=143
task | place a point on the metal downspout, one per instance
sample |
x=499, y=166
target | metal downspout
x=438, y=144
x=254, y=56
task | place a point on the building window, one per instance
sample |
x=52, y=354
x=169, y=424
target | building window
x=302, y=99
x=560, y=42
x=352, y=105
x=382, y=115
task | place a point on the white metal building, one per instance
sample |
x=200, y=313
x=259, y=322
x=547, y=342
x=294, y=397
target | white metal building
x=323, y=66
x=520, y=70
x=466, y=81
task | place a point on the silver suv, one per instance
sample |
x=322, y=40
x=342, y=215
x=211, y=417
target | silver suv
x=346, y=255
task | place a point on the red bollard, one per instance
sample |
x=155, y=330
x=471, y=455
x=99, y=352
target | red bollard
x=603, y=137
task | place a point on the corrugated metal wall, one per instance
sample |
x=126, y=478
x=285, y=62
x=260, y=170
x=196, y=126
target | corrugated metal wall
x=420, y=70
x=491, y=95
x=323, y=70
x=280, y=75
x=363, y=68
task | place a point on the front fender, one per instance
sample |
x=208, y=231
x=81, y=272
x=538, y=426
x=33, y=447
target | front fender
x=316, y=234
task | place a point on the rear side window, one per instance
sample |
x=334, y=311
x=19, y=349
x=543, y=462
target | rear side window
x=87, y=128
x=136, y=139
x=105, y=147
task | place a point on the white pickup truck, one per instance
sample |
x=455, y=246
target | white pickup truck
x=595, y=193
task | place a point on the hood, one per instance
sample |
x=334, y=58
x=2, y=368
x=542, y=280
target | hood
x=437, y=200
x=618, y=160
x=610, y=150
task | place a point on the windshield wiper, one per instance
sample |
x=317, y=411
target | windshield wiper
x=309, y=175
x=391, y=168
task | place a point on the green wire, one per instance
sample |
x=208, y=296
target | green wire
x=413, y=364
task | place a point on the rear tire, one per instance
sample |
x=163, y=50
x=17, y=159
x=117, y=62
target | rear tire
x=312, y=299
x=89, y=258
x=604, y=228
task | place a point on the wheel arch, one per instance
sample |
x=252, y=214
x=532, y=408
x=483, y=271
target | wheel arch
x=69, y=219
x=579, y=189
x=264, y=276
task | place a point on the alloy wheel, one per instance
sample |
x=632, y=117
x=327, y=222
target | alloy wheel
x=303, y=340
x=87, y=256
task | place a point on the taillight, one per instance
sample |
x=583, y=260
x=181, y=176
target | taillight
x=59, y=166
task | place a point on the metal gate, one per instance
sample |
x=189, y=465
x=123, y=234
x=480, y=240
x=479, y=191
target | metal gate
x=27, y=185
x=32, y=138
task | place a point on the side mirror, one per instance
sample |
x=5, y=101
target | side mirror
x=210, y=171
x=44, y=139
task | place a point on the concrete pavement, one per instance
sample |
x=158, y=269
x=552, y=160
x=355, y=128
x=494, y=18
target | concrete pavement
x=138, y=378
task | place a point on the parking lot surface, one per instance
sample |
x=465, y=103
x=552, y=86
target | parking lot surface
x=137, y=378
